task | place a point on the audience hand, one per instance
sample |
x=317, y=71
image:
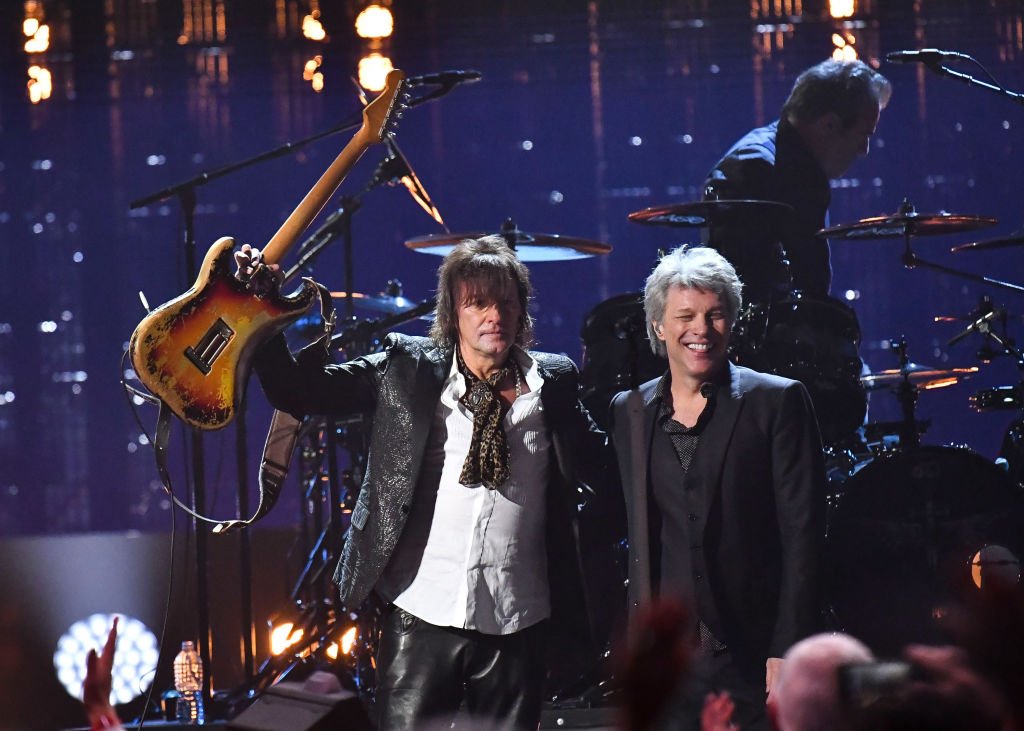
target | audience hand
x=772, y=673
x=658, y=655
x=717, y=713
x=98, y=680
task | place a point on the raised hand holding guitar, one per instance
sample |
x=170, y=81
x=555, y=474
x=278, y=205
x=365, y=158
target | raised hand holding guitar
x=194, y=351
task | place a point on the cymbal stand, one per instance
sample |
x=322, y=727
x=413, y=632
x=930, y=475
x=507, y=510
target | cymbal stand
x=906, y=394
x=1012, y=448
x=912, y=260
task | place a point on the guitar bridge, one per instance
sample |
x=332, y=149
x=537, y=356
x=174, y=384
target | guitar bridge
x=211, y=346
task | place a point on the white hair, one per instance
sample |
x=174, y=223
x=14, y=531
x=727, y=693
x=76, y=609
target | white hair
x=690, y=267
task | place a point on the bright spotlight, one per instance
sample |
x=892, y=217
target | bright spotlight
x=312, y=28
x=375, y=21
x=373, y=71
x=348, y=640
x=842, y=8
x=134, y=659
x=283, y=636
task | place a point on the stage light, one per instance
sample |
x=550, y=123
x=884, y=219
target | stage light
x=995, y=562
x=311, y=73
x=344, y=645
x=134, y=660
x=373, y=71
x=844, y=49
x=39, y=41
x=348, y=640
x=283, y=636
x=842, y=8
x=311, y=66
x=375, y=21
x=40, y=84
x=312, y=28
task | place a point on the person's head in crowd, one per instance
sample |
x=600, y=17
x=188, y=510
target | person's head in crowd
x=807, y=697
x=835, y=106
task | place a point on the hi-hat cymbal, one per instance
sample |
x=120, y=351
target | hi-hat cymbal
x=907, y=223
x=528, y=246
x=1004, y=243
x=705, y=213
x=920, y=376
x=377, y=302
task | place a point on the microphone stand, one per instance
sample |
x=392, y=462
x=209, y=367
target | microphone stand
x=943, y=70
x=185, y=192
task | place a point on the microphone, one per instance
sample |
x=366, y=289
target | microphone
x=925, y=55
x=445, y=78
x=707, y=390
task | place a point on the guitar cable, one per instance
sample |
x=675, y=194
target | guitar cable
x=129, y=392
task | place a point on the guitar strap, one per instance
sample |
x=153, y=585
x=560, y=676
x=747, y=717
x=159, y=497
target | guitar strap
x=284, y=428
x=284, y=431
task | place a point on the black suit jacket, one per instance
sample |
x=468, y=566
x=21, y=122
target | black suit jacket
x=400, y=387
x=773, y=163
x=760, y=462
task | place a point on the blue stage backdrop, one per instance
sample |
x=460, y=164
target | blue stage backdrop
x=585, y=111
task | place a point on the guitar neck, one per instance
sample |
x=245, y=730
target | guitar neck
x=314, y=201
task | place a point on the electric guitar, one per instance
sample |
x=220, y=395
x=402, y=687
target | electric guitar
x=194, y=352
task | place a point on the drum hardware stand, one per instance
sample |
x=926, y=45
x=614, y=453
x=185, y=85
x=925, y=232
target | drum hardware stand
x=1000, y=397
x=327, y=491
x=912, y=260
x=906, y=394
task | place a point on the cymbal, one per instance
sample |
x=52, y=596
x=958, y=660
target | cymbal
x=386, y=304
x=920, y=376
x=704, y=213
x=1004, y=243
x=907, y=223
x=529, y=247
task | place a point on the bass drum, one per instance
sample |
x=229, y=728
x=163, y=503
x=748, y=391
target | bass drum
x=616, y=353
x=913, y=531
x=814, y=340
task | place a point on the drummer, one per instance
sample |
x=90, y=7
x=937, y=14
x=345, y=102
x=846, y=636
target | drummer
x=824, y=126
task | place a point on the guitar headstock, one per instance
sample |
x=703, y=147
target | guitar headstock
x=382, y=113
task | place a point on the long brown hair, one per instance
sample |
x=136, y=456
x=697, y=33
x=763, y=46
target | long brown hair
x=487, y=265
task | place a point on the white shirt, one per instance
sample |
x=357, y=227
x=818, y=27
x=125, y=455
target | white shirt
x=471, y=557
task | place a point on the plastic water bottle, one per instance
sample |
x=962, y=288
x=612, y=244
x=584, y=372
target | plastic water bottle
x=188, y=681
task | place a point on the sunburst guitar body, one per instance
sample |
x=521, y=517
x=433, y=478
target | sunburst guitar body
x=194, y=352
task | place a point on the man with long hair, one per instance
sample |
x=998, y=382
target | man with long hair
x=464, y=525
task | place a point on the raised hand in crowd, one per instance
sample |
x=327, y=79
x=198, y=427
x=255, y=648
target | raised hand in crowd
x=98, y=680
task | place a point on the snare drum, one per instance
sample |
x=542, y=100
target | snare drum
x=903, y=534
x=811, y=339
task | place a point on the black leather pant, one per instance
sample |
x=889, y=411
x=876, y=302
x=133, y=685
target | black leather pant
x=425, y=672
